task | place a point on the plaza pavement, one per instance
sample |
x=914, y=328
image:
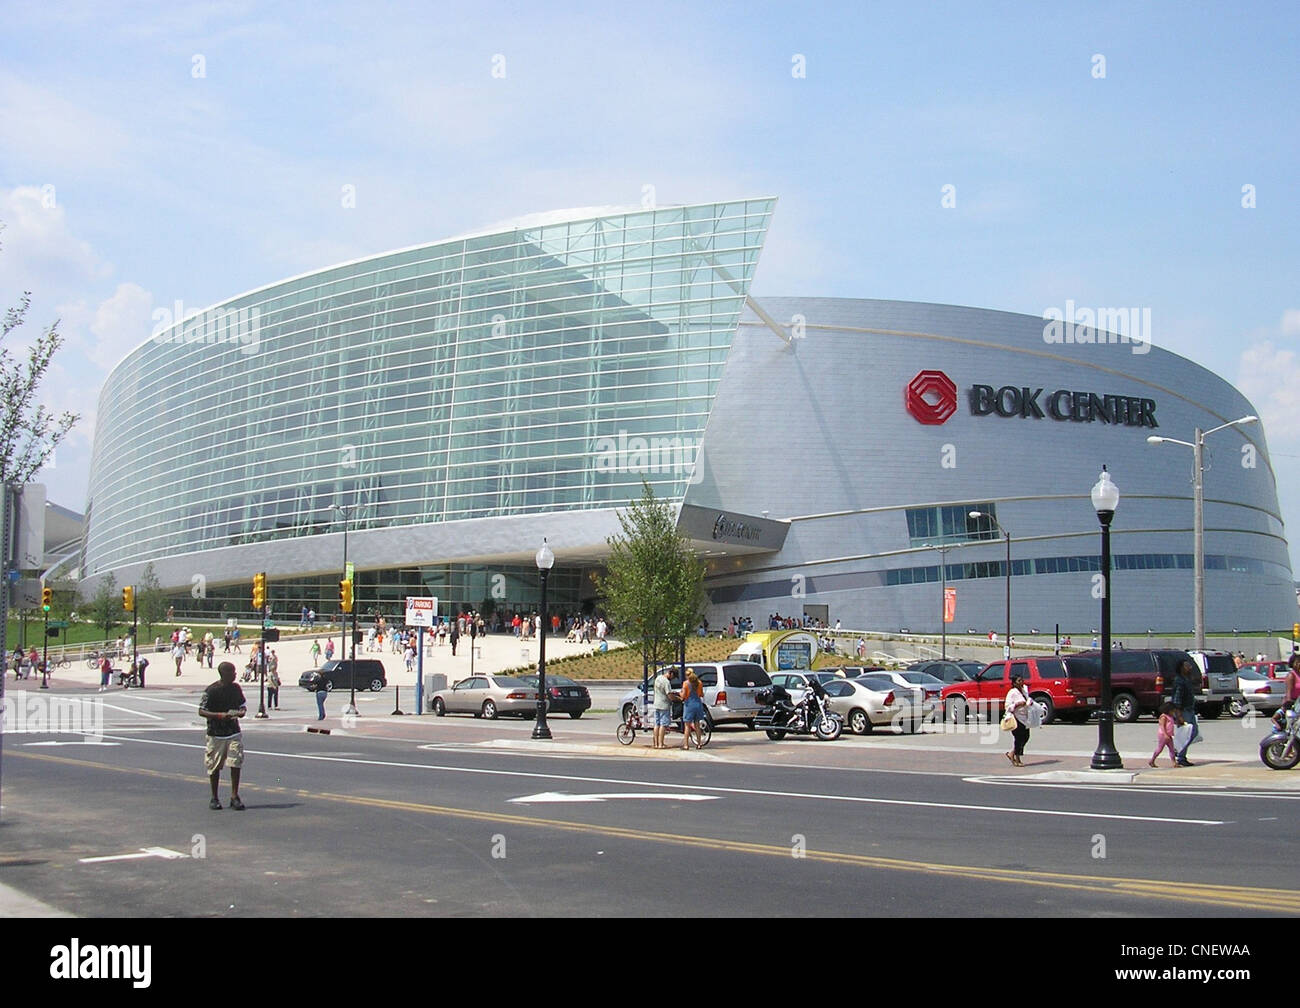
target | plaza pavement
x=494, y=653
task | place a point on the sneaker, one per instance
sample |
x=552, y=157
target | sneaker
x=215, y=805
x=236, y=804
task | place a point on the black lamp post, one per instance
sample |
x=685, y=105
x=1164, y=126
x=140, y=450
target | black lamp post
x=1105, y=498
x=545, y=561
x=1007, y=535
x=942, y=550
x=346, y=511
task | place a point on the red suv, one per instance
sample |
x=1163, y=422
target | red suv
x=1067, y=688
x=1268, y=669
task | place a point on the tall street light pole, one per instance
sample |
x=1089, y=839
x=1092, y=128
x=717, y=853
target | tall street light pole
x=545, y=561
x=1006, y=651
x=346, y=511
x=942, y=550
x=1105, y=499
x=1197, y=445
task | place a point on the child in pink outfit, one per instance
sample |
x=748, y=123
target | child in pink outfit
x=1165, y=734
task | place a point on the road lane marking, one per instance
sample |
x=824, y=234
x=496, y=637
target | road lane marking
x=1208, y=791
x=132, y=710
x=1271, y=900
x=145, y=852
x=89, y=742
x=751, y=792
x=560, y=797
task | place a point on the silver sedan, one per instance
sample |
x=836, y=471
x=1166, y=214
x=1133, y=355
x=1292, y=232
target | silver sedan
x=865, y=708
x=487, y=696
x=1257, y=691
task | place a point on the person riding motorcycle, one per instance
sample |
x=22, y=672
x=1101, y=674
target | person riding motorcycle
x=1292, y=693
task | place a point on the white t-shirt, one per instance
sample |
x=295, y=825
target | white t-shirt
x=1014, y=696
x=662, y=687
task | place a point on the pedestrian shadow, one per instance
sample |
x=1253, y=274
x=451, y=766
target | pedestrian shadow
x=251, y=807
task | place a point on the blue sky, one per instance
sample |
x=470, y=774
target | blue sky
x=151, y=153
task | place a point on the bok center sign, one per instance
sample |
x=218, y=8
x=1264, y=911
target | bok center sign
x=930, y=396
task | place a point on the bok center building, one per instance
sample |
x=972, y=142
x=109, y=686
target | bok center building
x=452, y=404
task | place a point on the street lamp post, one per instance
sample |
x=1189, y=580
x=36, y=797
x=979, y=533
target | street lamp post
x=1007, y=536
x=1197, y=445
x=545, y=561
x=942, y=550
x=1105, y=499
x=346, y=511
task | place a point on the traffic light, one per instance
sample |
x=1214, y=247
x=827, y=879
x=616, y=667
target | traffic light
x=47, y=596
x=259, y=590
x=1295, y=631
x=345, y=595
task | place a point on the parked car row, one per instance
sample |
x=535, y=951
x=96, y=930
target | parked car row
x=868, y=697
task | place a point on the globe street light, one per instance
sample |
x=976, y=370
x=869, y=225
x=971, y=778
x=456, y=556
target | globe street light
x=1197, y=445
x=1105, y=498
x=985, y=514
x=545, y=561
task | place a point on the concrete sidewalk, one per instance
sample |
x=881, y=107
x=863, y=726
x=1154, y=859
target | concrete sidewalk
x=493, y=653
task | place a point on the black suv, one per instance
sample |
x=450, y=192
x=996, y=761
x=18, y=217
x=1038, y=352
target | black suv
x=337, y=674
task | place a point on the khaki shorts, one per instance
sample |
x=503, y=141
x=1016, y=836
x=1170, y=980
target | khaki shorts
x=221, y=751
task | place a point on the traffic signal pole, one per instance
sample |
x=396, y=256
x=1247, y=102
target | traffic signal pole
x=261, y=604
x=45, y=647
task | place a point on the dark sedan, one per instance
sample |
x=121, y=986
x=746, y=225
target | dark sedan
x=564, y=696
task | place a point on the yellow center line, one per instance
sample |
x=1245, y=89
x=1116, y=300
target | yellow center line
x=1237, y=897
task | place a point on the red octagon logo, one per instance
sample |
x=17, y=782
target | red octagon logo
x=931, y=397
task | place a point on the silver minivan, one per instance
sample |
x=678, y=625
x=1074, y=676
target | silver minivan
x=729, y=689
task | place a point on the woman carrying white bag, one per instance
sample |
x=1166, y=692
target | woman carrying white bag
x=1017, y=717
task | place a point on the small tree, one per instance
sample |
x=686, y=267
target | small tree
x=150, y=599
x=654, y=582
x=106, y=607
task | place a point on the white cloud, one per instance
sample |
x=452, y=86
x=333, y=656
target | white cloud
x=121, y=323
x=39, y=247
x=1269, y=375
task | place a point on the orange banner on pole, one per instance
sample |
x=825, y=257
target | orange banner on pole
x=949, y=605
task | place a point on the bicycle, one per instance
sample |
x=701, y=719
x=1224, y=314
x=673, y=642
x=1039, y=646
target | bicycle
x=95, y=658
x=626, y=731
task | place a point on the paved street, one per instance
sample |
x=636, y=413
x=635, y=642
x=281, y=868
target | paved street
x=452, y=816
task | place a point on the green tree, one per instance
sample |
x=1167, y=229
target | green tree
x=150, y=599
x=29, y=432
x=654, y=582
x=105, y=608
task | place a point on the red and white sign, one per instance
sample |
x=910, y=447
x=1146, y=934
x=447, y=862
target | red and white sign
x=420, y=611
x=949, y=604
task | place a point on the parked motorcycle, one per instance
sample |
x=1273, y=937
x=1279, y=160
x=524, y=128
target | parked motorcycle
x=810, y=716
x=1280, y=749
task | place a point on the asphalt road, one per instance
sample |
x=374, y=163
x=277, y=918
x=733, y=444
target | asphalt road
x=426, y=816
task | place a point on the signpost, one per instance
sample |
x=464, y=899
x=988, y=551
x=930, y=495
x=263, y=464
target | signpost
x=421, y=611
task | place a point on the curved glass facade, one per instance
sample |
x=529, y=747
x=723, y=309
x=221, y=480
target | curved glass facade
x=532, y=369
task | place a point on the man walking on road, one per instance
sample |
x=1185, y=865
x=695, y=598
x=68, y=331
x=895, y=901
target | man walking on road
x=222, y=706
